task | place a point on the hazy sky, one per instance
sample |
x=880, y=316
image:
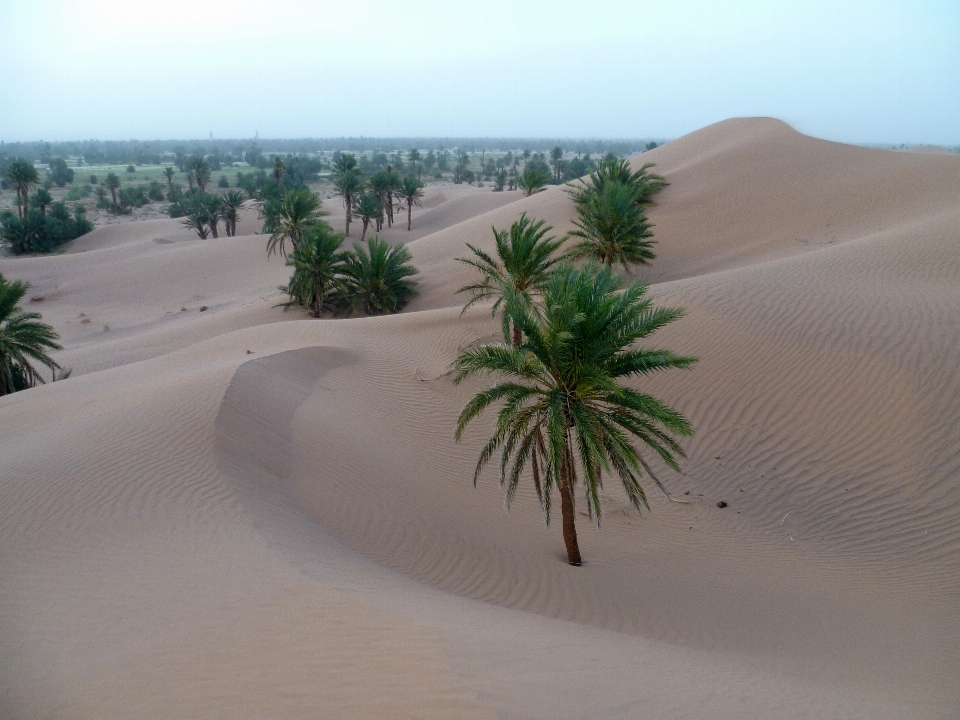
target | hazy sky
x=849, y=71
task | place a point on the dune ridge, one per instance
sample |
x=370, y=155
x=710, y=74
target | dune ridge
x=228, y=512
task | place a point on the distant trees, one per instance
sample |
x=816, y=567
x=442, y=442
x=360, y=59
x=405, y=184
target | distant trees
x=24, y=341
x=414, y=157
x=40, y=231
x=59, y=173
x=201, y=172
x=556, y=155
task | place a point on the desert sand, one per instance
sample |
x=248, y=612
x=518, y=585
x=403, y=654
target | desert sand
x=243, y=513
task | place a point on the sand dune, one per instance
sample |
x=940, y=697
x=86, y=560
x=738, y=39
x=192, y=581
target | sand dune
x=250, y=518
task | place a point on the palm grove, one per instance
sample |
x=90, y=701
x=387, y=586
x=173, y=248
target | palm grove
x=570, y=335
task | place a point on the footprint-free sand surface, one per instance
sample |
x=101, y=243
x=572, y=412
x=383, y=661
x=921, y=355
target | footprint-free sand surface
x=242, y=513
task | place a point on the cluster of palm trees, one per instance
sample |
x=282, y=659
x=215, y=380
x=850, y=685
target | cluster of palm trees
x=372, y=198
x=22, y=174
x=203, y=213
x=570, y=335
x=374, y=279
x=24, y=340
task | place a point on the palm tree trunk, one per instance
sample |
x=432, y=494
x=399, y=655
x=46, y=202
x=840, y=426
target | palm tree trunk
x=409, y=214
x=346, y=200
x=517, y=336
x=566, y=507
x=19, y=203
x=363, y=235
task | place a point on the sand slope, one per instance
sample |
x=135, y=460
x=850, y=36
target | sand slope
x=272, y=519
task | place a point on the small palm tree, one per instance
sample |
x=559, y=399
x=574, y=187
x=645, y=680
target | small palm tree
x=201, y=172
x=532, y=181
x=298, y=210
x=232, y=202
x=195, y=218
x=169, y=173
x=524, y=260
x=369, y=209
x=411, y=193
x=377, y=282
x=22, y=174
x=317, y=263
x=563, y=400
x=500, y=180
x=612, y=227
x=23, y=341
x=43, y=199
x=612, y=171
x=213, y=211
x=112, y=183
x=348, y=185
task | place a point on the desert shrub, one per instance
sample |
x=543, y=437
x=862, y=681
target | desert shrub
x=79, y=191
x=93, y=179
x=223, y=182
x=155, y=191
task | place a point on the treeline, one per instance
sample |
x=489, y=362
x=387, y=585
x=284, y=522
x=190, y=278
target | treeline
x=156, y=152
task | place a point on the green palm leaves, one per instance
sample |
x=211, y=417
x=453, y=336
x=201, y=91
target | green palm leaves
x=611, y=223
x=410, y=192
x=317, y=266
x=562, y=397
x=377, y=279
x=297, y=211
x=23, y=340
x=532, y=181
x=524, y=258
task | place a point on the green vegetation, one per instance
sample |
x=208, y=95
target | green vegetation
x=293, y=216
x=377, y=278
x=523, y=262
x=563, y=401
x=317, y=265
x=24, y=340
x=410, y=193
x=532, y=180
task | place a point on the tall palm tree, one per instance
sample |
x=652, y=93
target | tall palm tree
x=169, y=173
x=23, y=341
x=112, y=183
x=531, y=181
x=213, y=211
x=378, y=281
x=279, y=167
x=22, y=174
x=348, y=185
x=414, y=157
x=232, y=202
x=556, y=155
x=381, y=185
x=500, y=180
x=612, y=227
x=297, y=212
x=523, y=262
x=369, y=209
x=411, y=193
x=317, y=263
x=201, y=172
x=563, y=397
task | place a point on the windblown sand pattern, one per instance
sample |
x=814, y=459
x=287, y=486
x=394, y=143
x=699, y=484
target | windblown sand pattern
x=240, y=513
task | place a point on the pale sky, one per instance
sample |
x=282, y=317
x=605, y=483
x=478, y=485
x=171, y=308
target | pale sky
x=863, y=72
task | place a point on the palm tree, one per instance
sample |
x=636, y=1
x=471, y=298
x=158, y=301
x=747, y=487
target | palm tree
x=22, y=174
x=195, y=218
x=377, y=281
x=532, y=181
x=201, y=172
x=232, y=202
x=523, y=262
x=23, y=340
x=112, y=183
x=348, y=185
x=43, y=198
x=411, y=193
x=298, y=210
x=381, y=185
x=414, y=157
x=369, y=209
x=500, y=180
x=612, y=227
x=169, y=173
x=279, y=166
x=213, y=211
x=562, y=396
x=181, y=159
x=613, y=170
x=317, y=263
x=556, y=155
